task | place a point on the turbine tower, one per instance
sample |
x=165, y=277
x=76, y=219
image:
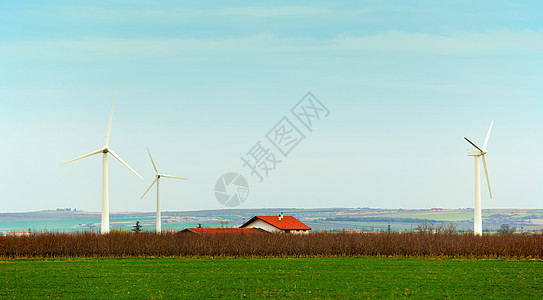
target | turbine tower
x=105, y=150
x=157, y=180
x=477, y=154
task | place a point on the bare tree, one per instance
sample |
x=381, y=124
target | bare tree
x=446, y=229
x=425, y=226
x=507, y=229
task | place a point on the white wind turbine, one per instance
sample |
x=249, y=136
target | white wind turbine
x=157, y=180
x=105, y=150
x=477, y=154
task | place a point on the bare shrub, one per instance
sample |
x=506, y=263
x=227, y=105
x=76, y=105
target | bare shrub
x=146, y=244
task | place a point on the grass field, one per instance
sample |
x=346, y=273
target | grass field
x=349, y=277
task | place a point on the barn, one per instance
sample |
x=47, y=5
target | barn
x=223, y=231
x=20, y=233
x=277, y=224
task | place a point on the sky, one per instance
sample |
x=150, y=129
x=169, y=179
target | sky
x=202, y=83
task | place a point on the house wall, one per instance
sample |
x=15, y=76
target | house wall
x=262, y=225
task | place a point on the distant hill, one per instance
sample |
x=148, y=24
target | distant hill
x=367, y=219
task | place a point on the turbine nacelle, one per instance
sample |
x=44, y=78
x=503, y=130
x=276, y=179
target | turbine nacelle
x=158, y=175
x=105, y=149
x=476, y=153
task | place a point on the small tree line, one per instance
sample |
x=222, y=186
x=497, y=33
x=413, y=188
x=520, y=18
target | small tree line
x=427, y=226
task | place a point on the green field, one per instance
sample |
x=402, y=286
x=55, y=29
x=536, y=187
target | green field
x=350, y=277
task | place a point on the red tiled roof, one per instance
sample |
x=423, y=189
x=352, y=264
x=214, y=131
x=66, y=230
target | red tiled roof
x=286, y=223
x=223, y=230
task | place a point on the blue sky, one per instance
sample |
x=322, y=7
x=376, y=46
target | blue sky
x=200, y=82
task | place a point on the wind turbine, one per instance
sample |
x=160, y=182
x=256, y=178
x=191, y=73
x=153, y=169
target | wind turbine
x=157, y=180
x=105, y=150
x=477, y=154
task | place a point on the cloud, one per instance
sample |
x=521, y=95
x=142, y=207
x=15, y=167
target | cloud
x=496, y=42
x=486, y=43
x=279, y=11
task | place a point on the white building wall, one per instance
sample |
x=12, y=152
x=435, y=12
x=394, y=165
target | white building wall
x=262, y=225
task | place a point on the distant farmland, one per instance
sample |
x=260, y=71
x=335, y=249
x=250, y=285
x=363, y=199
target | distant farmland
x=438, y=216
x=326, y=219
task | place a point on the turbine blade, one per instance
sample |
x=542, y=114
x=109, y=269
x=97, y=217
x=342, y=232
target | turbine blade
x=149, y=187
x=488, y=135
x=124, y=163
x=81, y=157
x=170, y=176
x=154, y=166
x=473, y=144
x=109, y=125
x=486, y=173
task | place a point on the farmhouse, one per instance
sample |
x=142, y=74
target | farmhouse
x=277, y=224
x=223, y=231
x=20, y=233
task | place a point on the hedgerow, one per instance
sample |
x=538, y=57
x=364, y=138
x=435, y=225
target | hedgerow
x=148, y=244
